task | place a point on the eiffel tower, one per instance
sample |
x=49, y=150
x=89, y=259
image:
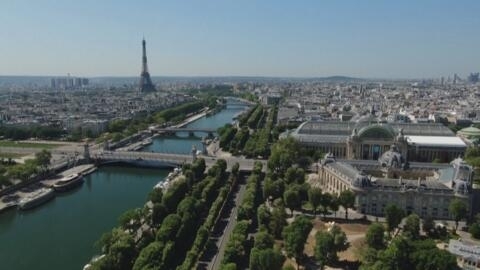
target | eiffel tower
x=145, y=84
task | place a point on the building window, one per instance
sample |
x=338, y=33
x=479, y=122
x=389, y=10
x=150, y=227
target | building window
x=445, y=212
x=424, y=212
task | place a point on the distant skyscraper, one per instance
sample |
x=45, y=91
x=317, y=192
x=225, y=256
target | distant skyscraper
x=70, y=83
x=145, y=84
x=473, y=77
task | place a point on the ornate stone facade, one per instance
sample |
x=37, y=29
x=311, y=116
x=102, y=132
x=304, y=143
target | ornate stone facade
x=376, y=184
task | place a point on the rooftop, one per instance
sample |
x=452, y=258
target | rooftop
x=346, y=128
x=464, y=250
x=436, y=141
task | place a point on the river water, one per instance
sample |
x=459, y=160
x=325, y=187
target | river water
x=62, y=233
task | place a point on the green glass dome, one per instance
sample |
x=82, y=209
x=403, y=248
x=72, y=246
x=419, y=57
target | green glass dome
x=470, y=132
x=377, y=131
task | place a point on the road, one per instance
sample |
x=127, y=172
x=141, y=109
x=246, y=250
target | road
x=245, y=164
x=232, y=221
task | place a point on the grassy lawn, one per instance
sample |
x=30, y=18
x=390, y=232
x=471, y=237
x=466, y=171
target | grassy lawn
x=28, y=145
x=10, y=155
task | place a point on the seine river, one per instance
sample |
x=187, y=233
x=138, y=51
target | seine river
x=62, y=233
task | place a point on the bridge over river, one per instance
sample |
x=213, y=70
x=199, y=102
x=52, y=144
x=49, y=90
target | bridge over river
x=152, y=159
x=184, y=129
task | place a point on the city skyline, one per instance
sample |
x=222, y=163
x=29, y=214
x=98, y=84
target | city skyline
x=268, y=39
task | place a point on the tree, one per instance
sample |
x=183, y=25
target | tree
x=325, y=201
x=375, y=236
x=340, y=241
x=235, y=249
x=159, y=212
x=169, y=228
x=394, y=216
x=228, y=266
x=291, y=175
x=334, y=205
x=263, y=240
x=403, y=253
x=150, y=256
x=222, y=163
x=273, y=189
x=263, y=216
x=458, y=210
x=283, y=155
x=235, y=169
x=295, y=175
x=324, y=248
x=199, y=167
x=131, y=219
x=268, y=189
x=347, y=200
x=328, y=243
x=189, y=205
x=174, y=194
x=295, y=235
x=428, y=226
x=189, y=177
x=314, y=198
x=412, y=227
x=119, y=248
x=43, y=159
x=292, y=199
x=396, y=256
x=427, y=256
x=155, y=196
x=266, y=259
x=474, y=230
x=277, y=221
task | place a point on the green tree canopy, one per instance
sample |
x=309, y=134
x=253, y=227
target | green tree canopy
x=43, y=159
x=411, y=228
x=375, y=236
x=394, y=216
x=263, y=240
x=150, y=257
x=295, y=235
x=283, y=155
x=325, y=201
x=314, y=198
x=403, y=253
x=458, y=210
x=266, y=259
x=292, y=199
x=347, y=200
x=324, y=248
x=277, y=221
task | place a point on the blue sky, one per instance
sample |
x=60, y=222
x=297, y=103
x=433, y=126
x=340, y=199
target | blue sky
x=375, y=39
